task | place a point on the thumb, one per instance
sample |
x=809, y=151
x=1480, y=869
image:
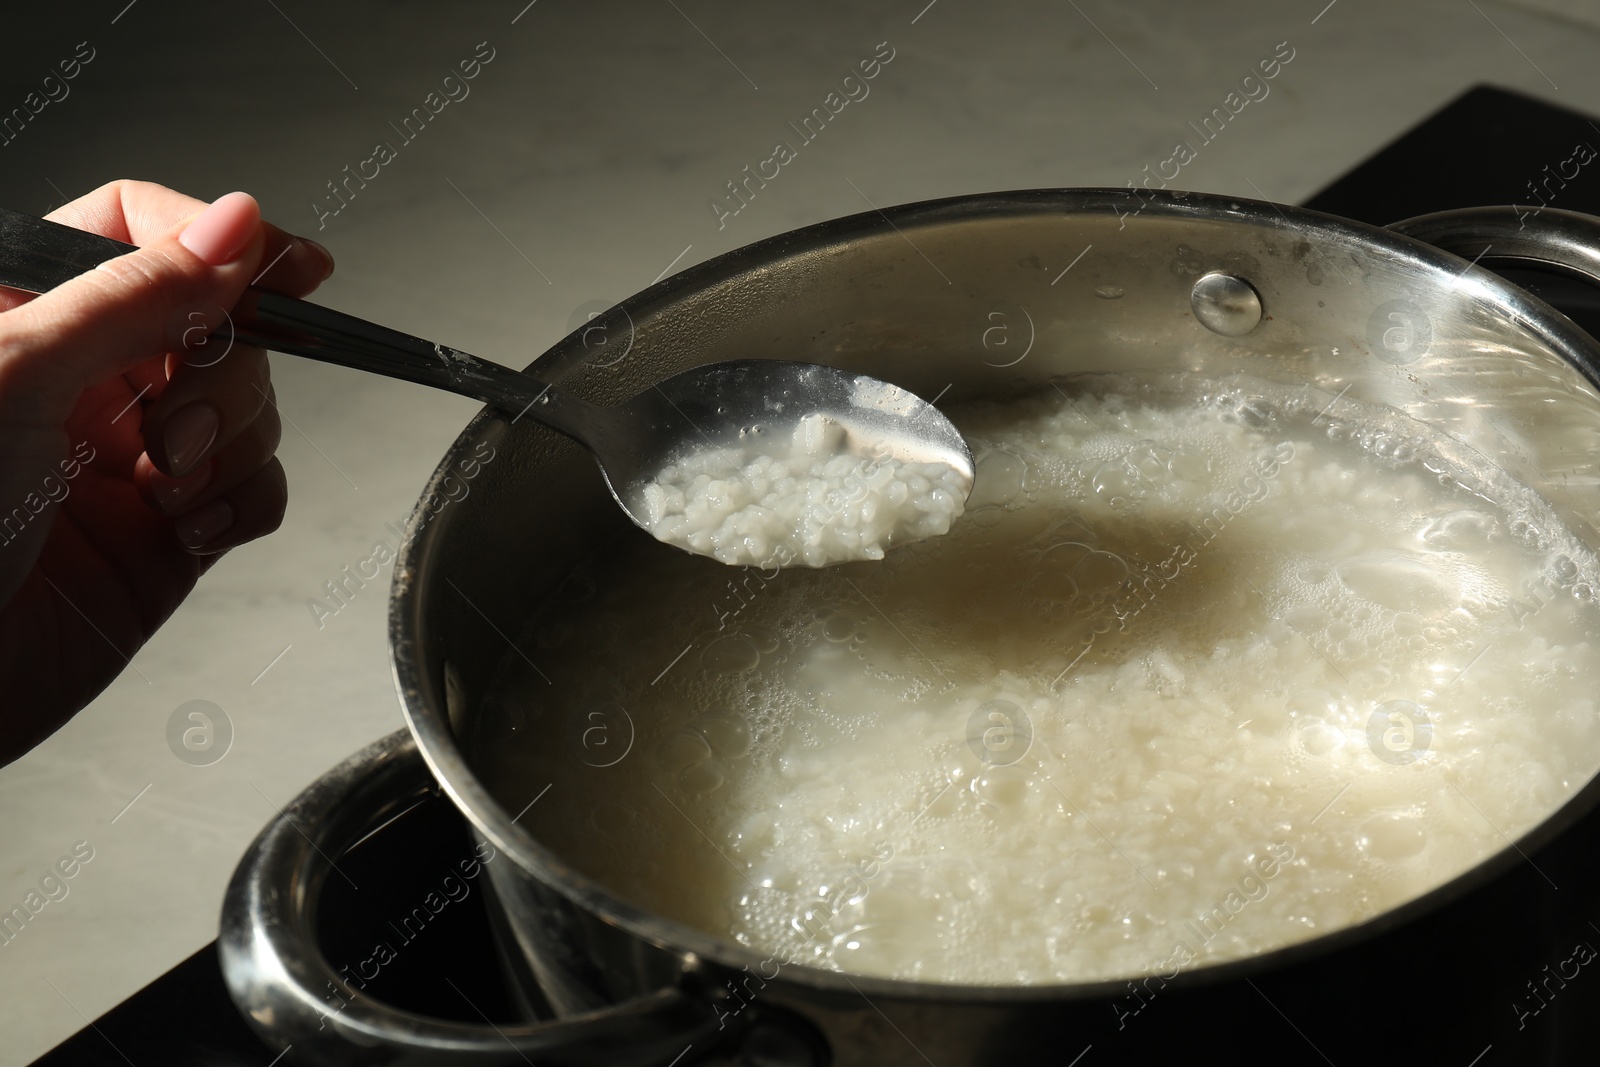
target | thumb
x=131, y=308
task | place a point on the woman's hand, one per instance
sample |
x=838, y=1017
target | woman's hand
x=133, y=451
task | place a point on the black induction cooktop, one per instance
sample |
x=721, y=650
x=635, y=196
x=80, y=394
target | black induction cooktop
x=1488, y=146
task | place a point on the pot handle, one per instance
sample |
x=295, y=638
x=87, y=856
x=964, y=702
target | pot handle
x=291, y=995
x=1551, y=239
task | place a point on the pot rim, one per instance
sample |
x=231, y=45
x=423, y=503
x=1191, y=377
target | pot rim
x=437, y=743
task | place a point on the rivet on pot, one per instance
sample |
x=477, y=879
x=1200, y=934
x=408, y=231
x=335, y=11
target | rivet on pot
x=1225, y=304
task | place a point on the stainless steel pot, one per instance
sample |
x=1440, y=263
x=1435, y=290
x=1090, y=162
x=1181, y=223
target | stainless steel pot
x=1077, y=281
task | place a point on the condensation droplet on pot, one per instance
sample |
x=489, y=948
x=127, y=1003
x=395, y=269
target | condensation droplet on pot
x=731, y=654
x=1187, y=261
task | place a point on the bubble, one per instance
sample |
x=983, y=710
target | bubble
x=880, y=943
x=1114, y=482
x=998, y=481
x=1307, y=618
x=1108, y=292
x=840, y=628
x=1002, y=786
x=1405, y=624
x=731, y=654
x=1053, y=588
x=1314, y=704
x=762, y=638
x=1151, y=462
x=1459, y=531
x=1253, y=412
x=1315, y=573
x=682, y=749
x=1393, y=836
x=1319, y=739
x=727, y=733
x=1400, y=583
x=1100, y=573
x=699, y=779
x=1189, y=466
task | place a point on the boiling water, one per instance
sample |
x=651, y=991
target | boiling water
x=1204, y=670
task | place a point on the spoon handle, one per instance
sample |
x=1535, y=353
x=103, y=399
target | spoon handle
x=36, y=255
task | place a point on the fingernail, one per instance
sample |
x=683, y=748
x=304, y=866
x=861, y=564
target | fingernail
x=196, y=530
x=174, y=495
x=189, y=433
x=327, y=257
x=220, y=232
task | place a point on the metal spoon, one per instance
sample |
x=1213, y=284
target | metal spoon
x=706, y=406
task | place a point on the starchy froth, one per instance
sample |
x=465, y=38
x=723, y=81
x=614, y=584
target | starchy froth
x=1205, y=669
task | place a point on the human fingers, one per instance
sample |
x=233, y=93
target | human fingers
x=205, y=403
x=109, y=320
x=229, y=468
x=252, y=509
x=140, y=212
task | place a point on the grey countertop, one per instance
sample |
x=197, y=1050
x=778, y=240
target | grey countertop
x=590, y=154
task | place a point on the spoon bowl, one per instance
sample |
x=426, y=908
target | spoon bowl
x=747, y=402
